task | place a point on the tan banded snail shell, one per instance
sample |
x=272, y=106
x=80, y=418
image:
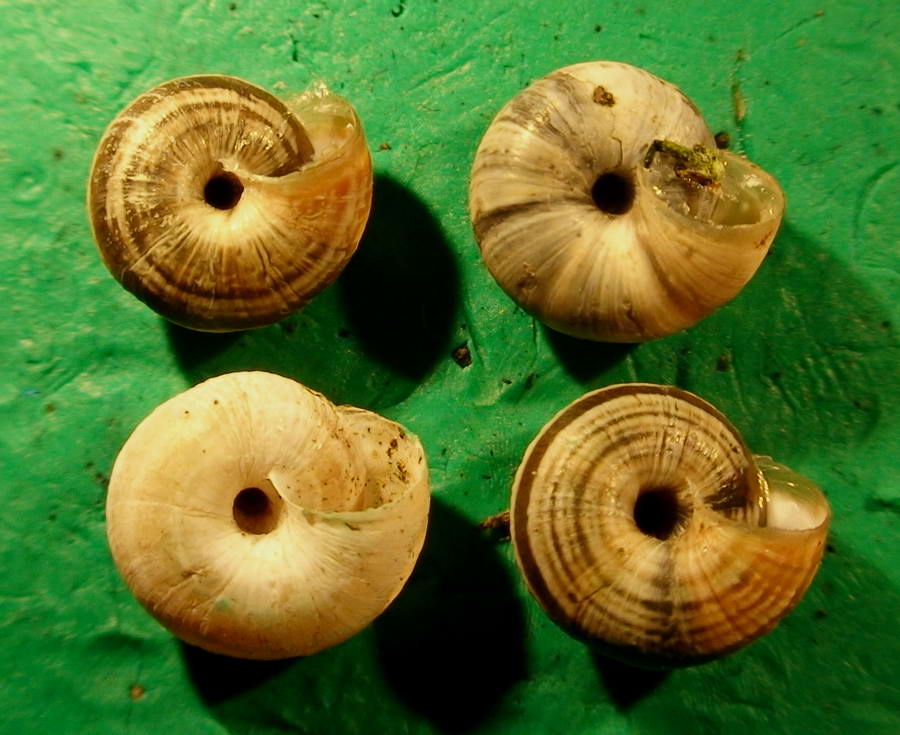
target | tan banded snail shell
x=602, y=207
x=254, y=518
x=222, y=207
x=643, y=525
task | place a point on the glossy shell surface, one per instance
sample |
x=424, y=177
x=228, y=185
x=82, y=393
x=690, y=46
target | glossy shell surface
x=644, y=525
x=590, y=231
x=254, y=518
x=224, y=208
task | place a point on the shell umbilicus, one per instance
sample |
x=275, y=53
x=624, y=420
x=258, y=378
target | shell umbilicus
x=254, y=518
x=222, y=207
x=602, y=207
x=644, y=526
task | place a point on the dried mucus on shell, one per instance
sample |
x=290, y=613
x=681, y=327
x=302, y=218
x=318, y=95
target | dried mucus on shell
x=225, y=208
x=602, y=206
x=644, y=526
x=254, y=518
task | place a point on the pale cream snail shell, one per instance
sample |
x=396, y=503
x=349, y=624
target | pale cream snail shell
x=254, y=518
x=602, y=207
x=222, y=207
x=643, y=525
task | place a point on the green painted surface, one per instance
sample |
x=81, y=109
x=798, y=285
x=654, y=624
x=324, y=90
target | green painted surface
x=804, y=362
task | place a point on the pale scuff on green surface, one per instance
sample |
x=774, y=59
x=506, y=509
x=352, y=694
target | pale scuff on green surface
x=804, y=362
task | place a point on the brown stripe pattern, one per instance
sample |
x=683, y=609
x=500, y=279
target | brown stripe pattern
x=746, y=545
x=306, y=175
x=624, y=276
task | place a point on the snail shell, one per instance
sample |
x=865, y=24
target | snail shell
x=597, y=212
x=254, y=518
x=643, y=524
x=224, y=208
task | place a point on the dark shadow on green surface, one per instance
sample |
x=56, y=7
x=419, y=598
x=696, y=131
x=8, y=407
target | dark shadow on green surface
x=401, y=291
x=194, y=349
x=814, y=346
x=368, y=339
x=583, y=359
x=453, y=643
x=220, y=678
x=627, y=685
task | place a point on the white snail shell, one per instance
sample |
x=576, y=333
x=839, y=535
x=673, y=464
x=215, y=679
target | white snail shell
x=254, y=518
x=224, y=208
x=643, y=525
x=594, y=235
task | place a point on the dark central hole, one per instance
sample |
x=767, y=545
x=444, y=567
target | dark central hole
x=254, y=512
x=613, y=193
x=658, y=513
x=223, y=191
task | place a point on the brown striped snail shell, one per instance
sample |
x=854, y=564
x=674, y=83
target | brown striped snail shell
x=644, y=526
x=254, y=518
x=602, y=207
x=222, y=207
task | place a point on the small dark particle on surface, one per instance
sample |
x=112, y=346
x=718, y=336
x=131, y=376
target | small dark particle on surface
x=485, y=477
x=885, y=324
x=344, y=333
x=819, y=614
x=101, y=479
x=598, y=28
x=877, y=111
x=830, y=548
x=506, y=381
x=58, y=154
x=401, y=472
x=602, y=96
x=462, y=356
x=497, y=524
x=52, y=516
x=384, y=146
x=288, y=327
x=136, y=691
x=776, y=376
x=232, y=7
x=398, y=11
x=49, y=408
x=529, y=381
x=723, y=140
x=723, y=362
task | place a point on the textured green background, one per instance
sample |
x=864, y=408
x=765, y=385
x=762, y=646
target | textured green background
x=804, y=362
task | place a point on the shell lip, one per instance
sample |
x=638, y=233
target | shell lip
x=765, y=185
